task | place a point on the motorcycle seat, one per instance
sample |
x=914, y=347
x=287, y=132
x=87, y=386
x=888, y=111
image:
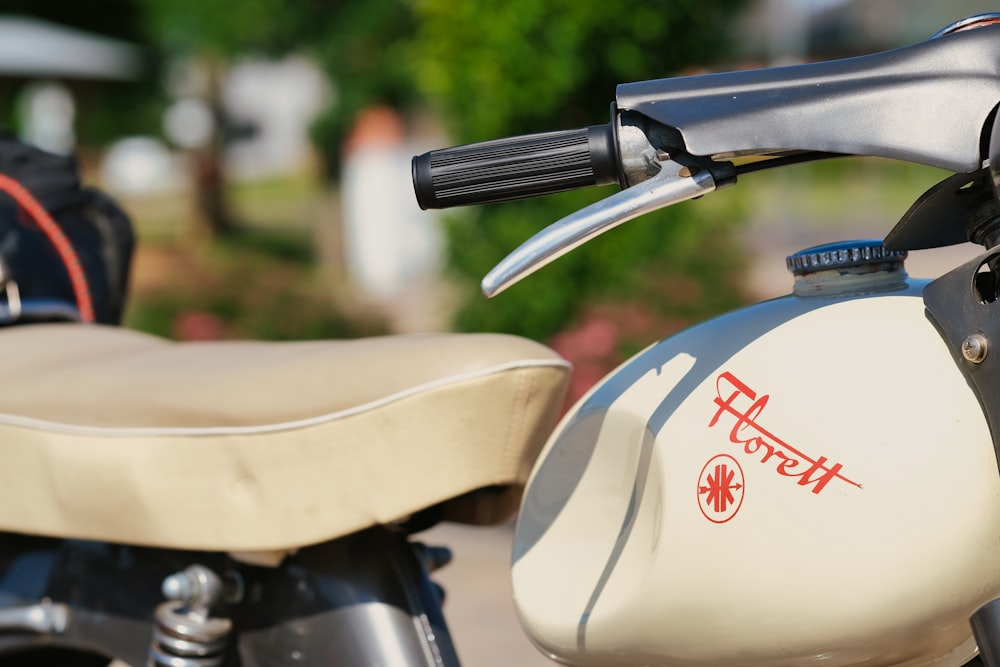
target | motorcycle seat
x=113, y=435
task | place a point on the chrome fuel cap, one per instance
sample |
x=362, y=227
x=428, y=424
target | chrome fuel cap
x=847, y=266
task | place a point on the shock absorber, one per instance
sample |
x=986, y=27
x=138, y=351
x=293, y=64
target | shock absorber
x=184, y=632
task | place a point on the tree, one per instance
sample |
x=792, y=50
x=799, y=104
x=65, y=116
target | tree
x=522, y=66
x=353, y=42
x=363, y=49
x=209, y=33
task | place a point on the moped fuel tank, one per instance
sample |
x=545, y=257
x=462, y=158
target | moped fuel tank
x=806, y=481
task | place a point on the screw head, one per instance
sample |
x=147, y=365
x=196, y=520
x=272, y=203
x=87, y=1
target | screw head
x=974, y=348
x=178, y=587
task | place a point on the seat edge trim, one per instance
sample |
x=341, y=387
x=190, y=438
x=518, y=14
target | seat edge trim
x=172, y=431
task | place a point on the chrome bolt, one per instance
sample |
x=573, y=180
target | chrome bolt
x=974, y=348
x=196, y=586
x=179, y=587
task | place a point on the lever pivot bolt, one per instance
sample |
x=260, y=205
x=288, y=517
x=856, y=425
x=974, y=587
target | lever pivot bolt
x=974, y=348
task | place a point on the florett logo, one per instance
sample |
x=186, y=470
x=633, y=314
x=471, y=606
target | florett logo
x=720, y=488
x=736, y=399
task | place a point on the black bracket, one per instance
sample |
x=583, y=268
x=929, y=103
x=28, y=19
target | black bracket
x=956, y=210
x=963, y=304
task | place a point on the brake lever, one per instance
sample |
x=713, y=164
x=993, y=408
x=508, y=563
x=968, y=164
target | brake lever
x=674, y=183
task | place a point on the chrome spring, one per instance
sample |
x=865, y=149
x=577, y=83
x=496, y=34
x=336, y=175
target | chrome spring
x=186, y=638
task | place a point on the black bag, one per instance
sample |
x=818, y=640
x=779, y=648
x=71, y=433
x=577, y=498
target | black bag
x=99, y=235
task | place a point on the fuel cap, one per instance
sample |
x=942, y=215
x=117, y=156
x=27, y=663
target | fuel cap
x=847, y=266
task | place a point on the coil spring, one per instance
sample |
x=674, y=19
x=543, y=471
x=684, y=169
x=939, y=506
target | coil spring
x=185, y=638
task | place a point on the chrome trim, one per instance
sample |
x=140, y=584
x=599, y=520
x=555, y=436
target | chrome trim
x=673, y=184
x=969, y=23
x=44, y=618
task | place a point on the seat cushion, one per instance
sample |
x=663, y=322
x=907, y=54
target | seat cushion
x=115, y=435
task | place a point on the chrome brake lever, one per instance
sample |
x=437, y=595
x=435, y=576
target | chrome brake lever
x=674, y=183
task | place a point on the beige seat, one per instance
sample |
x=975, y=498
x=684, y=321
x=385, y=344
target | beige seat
x=114, y=435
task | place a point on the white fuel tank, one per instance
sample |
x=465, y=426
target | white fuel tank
x=807, y=481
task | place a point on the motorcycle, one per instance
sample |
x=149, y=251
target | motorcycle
x=809, y=480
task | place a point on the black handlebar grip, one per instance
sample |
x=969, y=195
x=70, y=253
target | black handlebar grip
x=514, y=168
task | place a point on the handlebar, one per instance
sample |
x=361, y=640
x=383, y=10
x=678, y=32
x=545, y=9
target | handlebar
x=515, y=168
x=932, y=103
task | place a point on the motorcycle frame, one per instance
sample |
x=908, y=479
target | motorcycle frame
x=362, y=599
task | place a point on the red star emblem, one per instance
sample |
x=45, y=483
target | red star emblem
x=720, y=488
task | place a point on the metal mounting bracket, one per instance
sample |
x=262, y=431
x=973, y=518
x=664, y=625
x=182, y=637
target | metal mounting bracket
x=963, y=304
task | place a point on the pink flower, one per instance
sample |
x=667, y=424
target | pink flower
x=197, y=325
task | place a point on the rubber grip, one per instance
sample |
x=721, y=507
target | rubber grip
x=515, y=168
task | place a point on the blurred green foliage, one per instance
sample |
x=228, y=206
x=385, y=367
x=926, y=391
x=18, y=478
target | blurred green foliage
x=522, y=66
x=255, y=284
x=678, y=265
x=216, y=28
x=359, y=45
x=496, y=69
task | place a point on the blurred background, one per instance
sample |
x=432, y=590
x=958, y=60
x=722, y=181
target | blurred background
x=262, y=149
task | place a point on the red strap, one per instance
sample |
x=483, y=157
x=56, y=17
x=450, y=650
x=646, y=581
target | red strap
x=62, y=245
